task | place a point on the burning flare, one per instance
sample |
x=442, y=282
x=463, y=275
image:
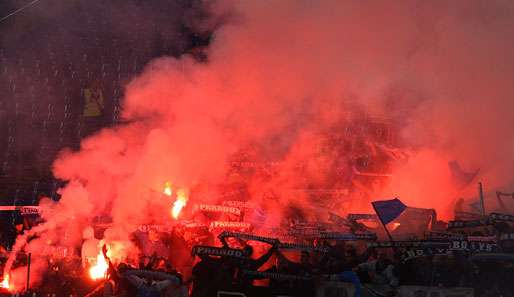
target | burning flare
x=100, y=269
x=5, y=282
x=167, y=189
x=179, y=203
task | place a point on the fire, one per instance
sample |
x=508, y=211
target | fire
x=5, y=282
x=394, y=226
x=100, y=269
x=167, y=189
x=179, y=204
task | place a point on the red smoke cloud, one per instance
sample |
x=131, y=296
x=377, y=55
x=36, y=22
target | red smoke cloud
x=279, y=76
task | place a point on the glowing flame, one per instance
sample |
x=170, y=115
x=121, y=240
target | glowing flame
x=100, y=269
x=5, y=282
x=394, y=226
x=179, y=204
x=167, y=189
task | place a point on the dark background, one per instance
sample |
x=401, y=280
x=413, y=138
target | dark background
x=54, y=49
x=50, y=52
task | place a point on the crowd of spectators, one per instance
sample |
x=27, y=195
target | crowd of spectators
x=268, y=268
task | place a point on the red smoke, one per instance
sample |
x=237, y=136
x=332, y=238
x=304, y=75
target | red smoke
x=279, y=77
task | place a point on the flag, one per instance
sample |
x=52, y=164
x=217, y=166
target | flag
x=388, y=210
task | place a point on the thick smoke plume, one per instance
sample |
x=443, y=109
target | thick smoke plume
x=282, y=74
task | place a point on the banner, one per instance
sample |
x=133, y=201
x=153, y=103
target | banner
x=304, y=232
x=501, y=217
x=217, y=208
x=332, y=217
x=462, y=245
x=424, y=252
x=245, y=236
x=408, y=244
x=468, y=224
x=274, y=275
x=466, y=216
x=303, y=247
x=239, y=204
x=230, y=225
x=361, y=216
x=347, y=236
x=419, y=291
x=507, y=236
x=482, y=238
x=217, y=251
x=29, y=210
x=445, y=236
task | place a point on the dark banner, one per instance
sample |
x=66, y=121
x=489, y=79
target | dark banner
x=424, y=252
x=245, y=236
x=347, y=236
x=445, y=236
x=468, y=224
x=273, y=275
x=501, y=217
x=409, y=244
x=473, y=246
x=303, y=247
x=361, y=216
x=217, y=251
x=507, y=236
x=332, y=217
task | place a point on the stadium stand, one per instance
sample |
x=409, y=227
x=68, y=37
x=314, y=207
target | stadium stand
x=49, y=58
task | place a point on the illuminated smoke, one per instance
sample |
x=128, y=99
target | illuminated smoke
x=279, y=76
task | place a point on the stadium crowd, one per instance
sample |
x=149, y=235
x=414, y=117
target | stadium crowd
x=182, y=262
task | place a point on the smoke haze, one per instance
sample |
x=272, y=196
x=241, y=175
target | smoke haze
x=280, y=75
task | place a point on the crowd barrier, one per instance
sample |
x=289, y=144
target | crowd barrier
x=341, y=289
x=419, y=291
x=331, y=289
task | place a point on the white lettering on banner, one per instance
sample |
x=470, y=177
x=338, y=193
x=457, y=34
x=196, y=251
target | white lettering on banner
x=419, y=291
x=239, y=204
x=28, y=210
x=303, y=247
x=348, y=236
x=218, y=208
x=230, y=225
x=501, y=217
x=472, y=246
x=443, y=235
x=482, y=238
x=217, y=251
